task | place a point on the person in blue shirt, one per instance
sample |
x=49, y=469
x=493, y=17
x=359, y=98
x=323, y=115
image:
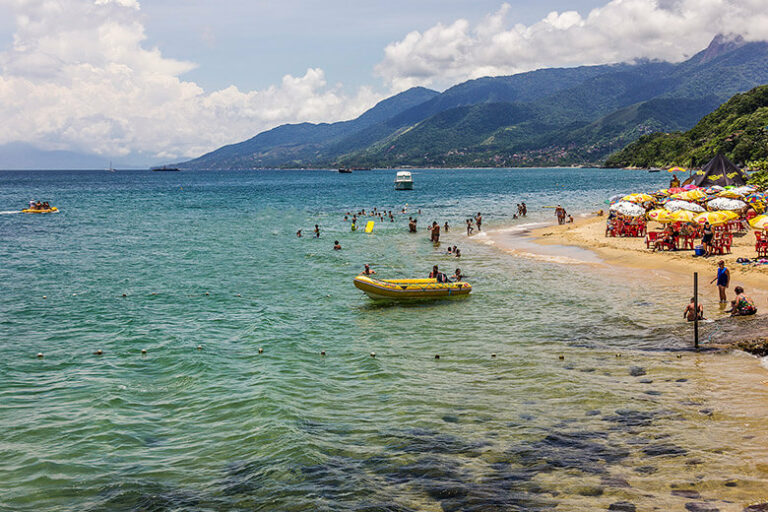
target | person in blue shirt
x=723, y=279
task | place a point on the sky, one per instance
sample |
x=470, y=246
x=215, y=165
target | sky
x=167, y=80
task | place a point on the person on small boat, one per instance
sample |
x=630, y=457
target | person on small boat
x=690, y=311
x=38, y=206
x=367, y=271
x=743, y=305
x=336, y=246
x=31, y=204
x=46, y=206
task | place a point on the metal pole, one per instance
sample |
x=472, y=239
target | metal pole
x=696, y=310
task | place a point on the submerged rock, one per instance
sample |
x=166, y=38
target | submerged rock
x=622, y=506
x=664, y=449
x=636, y=371
x=758, y=346
x=699, y=506
x=757, y=507
x=687, y=493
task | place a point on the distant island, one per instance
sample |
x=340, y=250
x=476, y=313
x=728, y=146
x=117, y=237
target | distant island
x=548, y=117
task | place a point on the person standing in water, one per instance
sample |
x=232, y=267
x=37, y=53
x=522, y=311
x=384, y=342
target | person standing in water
x=479, y=221
x=298, y=233
x=317, y=231
x=336, y=246
x=435, y=232
x=469, y=227
x=723, y=278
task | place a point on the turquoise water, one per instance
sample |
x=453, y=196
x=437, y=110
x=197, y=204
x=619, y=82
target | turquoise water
x=234, y=408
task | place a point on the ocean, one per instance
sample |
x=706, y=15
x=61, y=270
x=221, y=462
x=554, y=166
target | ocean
x=559, y=385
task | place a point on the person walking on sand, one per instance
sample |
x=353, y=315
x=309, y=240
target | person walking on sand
x=690, y=311
x=723, y=278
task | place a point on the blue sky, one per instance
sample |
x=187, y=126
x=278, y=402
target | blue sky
x=171, y=79
x=253, y=44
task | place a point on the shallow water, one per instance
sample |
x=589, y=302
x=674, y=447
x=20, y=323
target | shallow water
x=212, y=260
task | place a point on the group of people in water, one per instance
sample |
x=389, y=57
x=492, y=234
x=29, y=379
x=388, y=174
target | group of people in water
x=37, y=205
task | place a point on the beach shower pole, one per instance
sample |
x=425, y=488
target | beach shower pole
x=696, y=310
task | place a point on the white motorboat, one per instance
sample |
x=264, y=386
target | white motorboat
x=403, y=181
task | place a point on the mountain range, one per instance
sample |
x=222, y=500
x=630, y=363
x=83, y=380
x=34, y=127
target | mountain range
x=556, y=116
x=738, y=129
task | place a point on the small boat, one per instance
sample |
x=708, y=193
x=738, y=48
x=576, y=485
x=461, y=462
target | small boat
x=53, y=209
x=410, y=289
x=403, y=181
x=345, y=170
x=165, y=169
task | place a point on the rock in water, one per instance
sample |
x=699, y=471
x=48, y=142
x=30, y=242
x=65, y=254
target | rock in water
x=622, y=506
x=636, y=371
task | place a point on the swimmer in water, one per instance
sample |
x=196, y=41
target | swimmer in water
x=690, y=311
x=298, y=233
x=336, y=246
x=367, y=271
x=317, y=231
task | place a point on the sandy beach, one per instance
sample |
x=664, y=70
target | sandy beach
x=589, y=233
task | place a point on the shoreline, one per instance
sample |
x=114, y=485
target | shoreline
x=583, y=242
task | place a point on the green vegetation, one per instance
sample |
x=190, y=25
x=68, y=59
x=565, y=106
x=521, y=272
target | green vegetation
x=738, y=129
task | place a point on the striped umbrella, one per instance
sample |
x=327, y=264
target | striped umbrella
x=730, y=194
x=676, y=169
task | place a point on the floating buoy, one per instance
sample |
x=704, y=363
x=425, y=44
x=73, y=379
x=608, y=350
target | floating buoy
x=45, y=297
x=238, y=295
x=373, y=354
x=143, y=351
x=40, y=355
x=322, y=352
x=206, y=293
x=74, y=295
x=98, y=352
x=199, y=347
x=261, y=350
x=561, y=357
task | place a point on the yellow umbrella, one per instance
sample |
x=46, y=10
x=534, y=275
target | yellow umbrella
x=682, y=216
x=638, y=198
x=659, y=215
x=730, y=194
x=759, y=222
x=676, y=169
x=715, y=218
x=690, y=195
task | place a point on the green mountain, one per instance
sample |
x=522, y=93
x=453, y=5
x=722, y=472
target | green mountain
x=738, y=129
x=545, y=117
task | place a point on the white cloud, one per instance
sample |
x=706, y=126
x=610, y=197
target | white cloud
x=620, y=31
x=77, y=76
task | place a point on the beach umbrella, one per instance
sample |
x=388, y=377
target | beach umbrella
x=628, y=209
x=730, y=194
x=690, y=195
x=676, y=169
x=759, y=222
x=616, y=198
x=690, y=186
x=746, y=189
x=715, y=218
x=661, y=193
x=754, y=198
x=638, y=198
x=659, y=215
x=723, y=203
x=675, y=190
x=682, y=216
x=674, y=206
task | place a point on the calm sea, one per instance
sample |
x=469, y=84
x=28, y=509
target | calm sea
x=591, y=399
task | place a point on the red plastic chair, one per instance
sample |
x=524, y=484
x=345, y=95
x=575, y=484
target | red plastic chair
x=650, y=239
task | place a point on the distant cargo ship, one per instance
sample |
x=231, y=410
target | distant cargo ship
x=165, y=169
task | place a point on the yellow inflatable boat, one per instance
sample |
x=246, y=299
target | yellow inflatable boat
x=47, y=210
x=410, y=289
